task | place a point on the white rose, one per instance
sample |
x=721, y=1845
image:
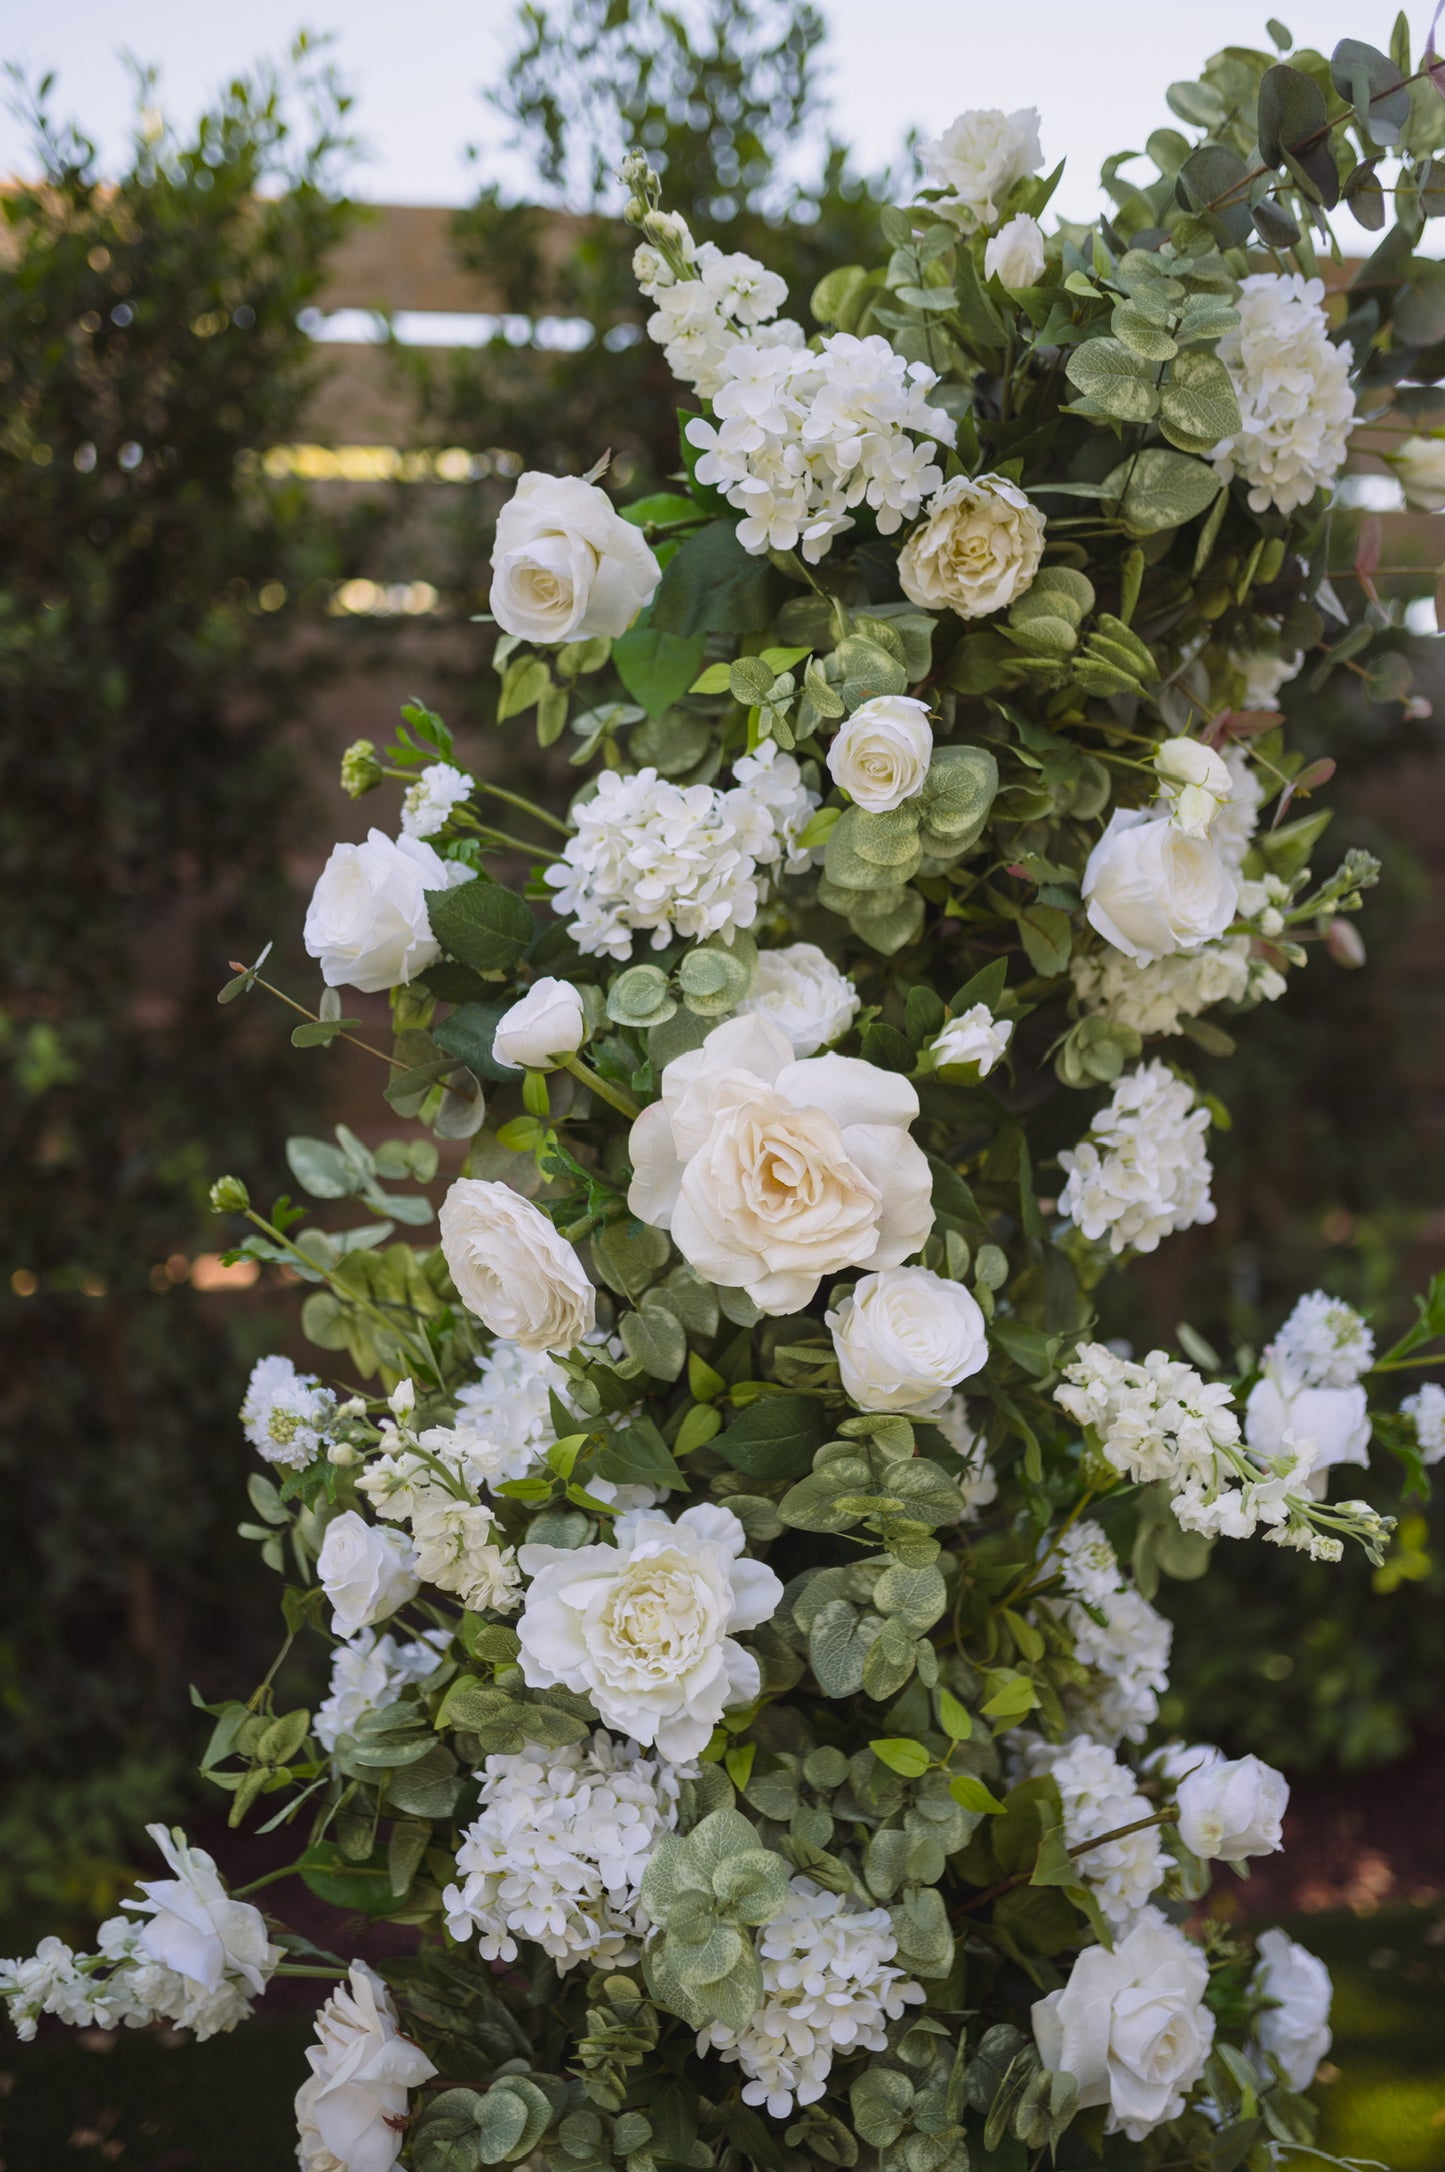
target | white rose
x=974, y=1037
x=1232, y=1808
x=1336, y=1419
x=979, y=157
x=1151, y=890
x=366, y=1572
x=565, y=564
x=351, y=2114
x=367, y=921
x=548, y=1022
x=881, y=755
x=644, y=1628
x=771, y=1173
x=512, y=1269
x=977, y=548
x=1420, y=465
x=802, y=992
x=905, y=1338
x=1196, y=781
x=1297, y=2029
x=195, y=1927
x=1015, y=255
x=1131, y=2026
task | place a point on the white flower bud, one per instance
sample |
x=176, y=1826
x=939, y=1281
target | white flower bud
x=546, y=1023
x=1015, y=255
x=1196, y=781
x=1232, y=1808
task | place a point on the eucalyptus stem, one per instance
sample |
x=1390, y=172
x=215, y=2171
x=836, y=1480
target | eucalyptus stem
x=616, y=1097
x=315, y=1019
x=362, y=1304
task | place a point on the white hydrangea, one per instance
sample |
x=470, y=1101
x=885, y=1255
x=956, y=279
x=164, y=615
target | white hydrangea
x=1426, y=1411
x=1294, y=392
x=286, y=1414
x=429, y=802
x=803, y=993
x=1323, y=1344
x=1099, y=1795
x=776, y=781
x=369, y=1672
x=1142, y=1170
x=558, y=1852
x=830, y=1984
x=725, y=298
x=1128, y=1649
x=804, y=436
x=1158, y=997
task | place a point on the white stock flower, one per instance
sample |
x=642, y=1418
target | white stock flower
x=503, y=1419
x=1015, y=255
x=368, y=1673
x=830, y=1987
x=975, y=1037
x=367, y=922
x=195, y=1928
x=1293, y=386
x=1426, y=1411
x=429, y=802
x=724, y=298
x=558, y=1852
x=351, y=2113
x=547, y=1022
x=1323, y=1344
x=645, y=1627
x=800, y=991
x=1150, y=888
x=976, y=550
x=456, y=1549
x=1296, y=2028
x=1158, y=997
x=905, y=1338
x=772, y=1172
x=979, y=157
x=1141, y=1171
x=880, y=756
x=1238, y=818
x=1264, y=672
x=1231, y=1808
x=286, y=1415
x=1195, y=780
x=513, y=1269
x=365, y=1571
x=1420, y=464
x=1098, y=1796
x=1131, y=2026
x=1117, y=1634
x=565, y=565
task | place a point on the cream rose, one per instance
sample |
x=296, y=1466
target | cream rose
x=976, y=1037
x=880, y=757
x=367, y=921
x=512, y=1269
x=802, y=992
x=1131, y=2026
x=1296, y=2029
x=645, y=1628
x=1015, y=255
x=1420, y=465
x=351, y=2114
x=905, y=1338
x=977, y=548
x=547, y=1022
x=771, y=1173
x=1231, y=1808
x=1195, y=780
x=979, y=157
x=1151, y=890
x=565, y=565
x=366, y=1571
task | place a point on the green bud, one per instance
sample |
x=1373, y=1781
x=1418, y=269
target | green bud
x=229, y=1196
x=360, y=769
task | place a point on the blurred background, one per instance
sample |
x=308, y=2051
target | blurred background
x=271, y=355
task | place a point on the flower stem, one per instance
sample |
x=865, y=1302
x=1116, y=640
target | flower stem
x=243, y=1892
x=315, y=1019
x=617, y=1097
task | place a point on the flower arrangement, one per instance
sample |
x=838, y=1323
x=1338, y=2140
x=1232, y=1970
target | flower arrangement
x=737, y=1548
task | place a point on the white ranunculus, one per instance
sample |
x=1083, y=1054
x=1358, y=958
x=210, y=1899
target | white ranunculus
x=979, y=157
x=1420, y=465
x=1131, y=2026
x=1150, y=890
x=195, y=1927
x=512, y=1269
x=1336, y=1419
x=976, y=549
x=351, y=2114
x=1015, y=255
x=1195, y=780
x=547, y=1022
x=905, y=1338
x=1297, y=2029
x=802, y=992
x=366, y=1570
x=565, y=565
x=645, y=1627
x=771, y=1173
x=1231, y=1808
x=976, y=1036
x=367, y=921
x=881, y=755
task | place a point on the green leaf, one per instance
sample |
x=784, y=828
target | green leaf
x=971, y=1794
x=655, y=1337
x=1198, y=402
x=1375, y=88
x=902, y=1755
x=1118, y=380
x=1047, y=937
x=954, y=1718
x=366, y=1886
x=657, y=668
x=777, y=1438
x=664, y=509
x=482, y=924
x=524, y=682
x=639, y=1456
x=712, y=585
x=1158, y=490
x=469, y=1033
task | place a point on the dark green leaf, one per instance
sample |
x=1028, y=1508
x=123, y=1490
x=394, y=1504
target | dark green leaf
x=468, y=1034
x=777, y=1438
x=714, y=586
x=639, y=1456
x=657, y=668
x=482, y=924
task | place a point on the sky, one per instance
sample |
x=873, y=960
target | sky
x=1097, y=75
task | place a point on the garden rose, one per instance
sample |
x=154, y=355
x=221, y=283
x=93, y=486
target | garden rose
x=644, y=1628
x=1232, y=1807
x=1015, y=255
x=1296, y=2030
x=803, y=993
x=1151, y=890
x=1337, y=1420
x=351, y=2115
x=512, y=1269
x=366, y=1570
x=547, y=1022
x=976, y=1037
x=565, y=565
x=1420, y=465
x=881, y=755
x=367, y=921
x=771, y=1173
x=1196, y=781
x=195, y=1927
x=979, y=157
x=905, y=1338
x=1131, y=2026
x=976, y=549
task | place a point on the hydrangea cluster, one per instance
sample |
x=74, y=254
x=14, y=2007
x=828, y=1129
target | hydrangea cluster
x=720, y=299
x=1099, y=1795
x=369, y=1672
x=830, y=1984
x=1426, y=1411
x=287, y=1415
x=559, y=1850
x=429, y=803
x=1293, y=386
x=1117, y=1633
x=1142, y=1170
x=1323, y=1344
x=1158, y=997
